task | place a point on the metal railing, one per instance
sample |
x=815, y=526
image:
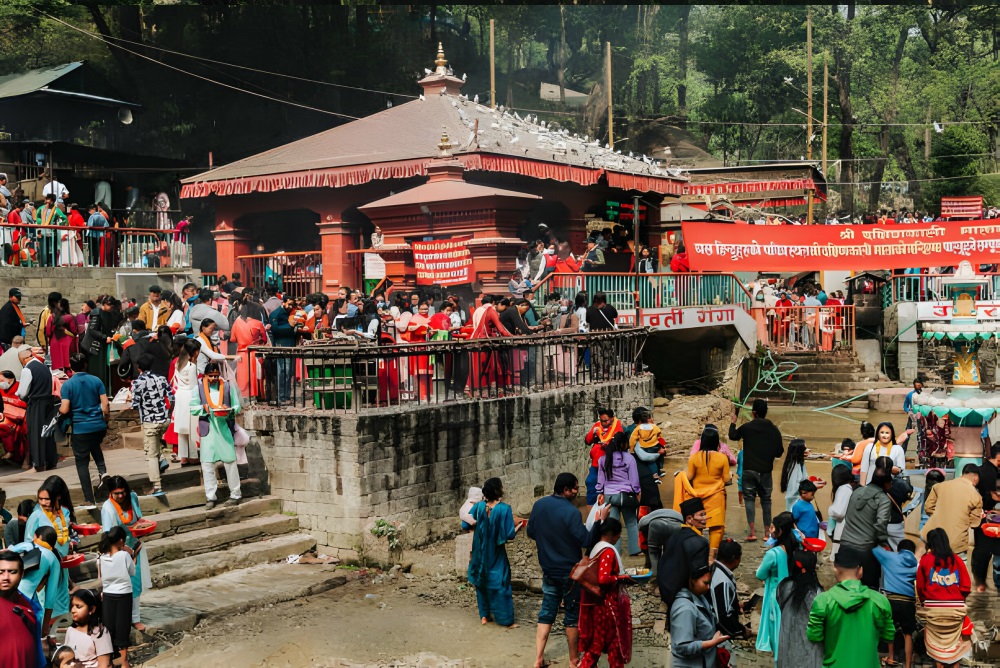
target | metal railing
x=930, y=288
x=209, y=279
x=67, y=246
x=295, y=274
x=343, y=377
x=818, y=328
x=655, y=290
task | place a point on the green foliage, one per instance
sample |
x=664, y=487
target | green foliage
x=389, y=531
x=726, y=64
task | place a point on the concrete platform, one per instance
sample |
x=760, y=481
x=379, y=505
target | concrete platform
x=888, y=399
x=180, y=608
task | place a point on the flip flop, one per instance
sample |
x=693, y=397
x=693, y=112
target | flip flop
x=750, y=539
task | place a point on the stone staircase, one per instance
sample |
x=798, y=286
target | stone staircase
x=208, y=563
x=822, y=379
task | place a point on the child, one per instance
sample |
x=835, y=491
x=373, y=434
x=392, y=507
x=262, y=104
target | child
x=803, y=512
x=117, y=567
x=13, y=533
x=899, y=575
x=724, y=599
x=63, y=657
x=739, y=476
x=464, y=513
x=90, y=641
x=648, y=437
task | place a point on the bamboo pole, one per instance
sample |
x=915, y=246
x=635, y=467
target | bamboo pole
x=493, y=66
x=607, y=83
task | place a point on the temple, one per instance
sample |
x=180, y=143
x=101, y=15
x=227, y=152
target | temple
x=441, y=167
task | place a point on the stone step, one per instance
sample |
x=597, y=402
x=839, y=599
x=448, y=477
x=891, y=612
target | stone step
x=210, y=564
x=831, y=377
x=219, y=538
x=177, y=499
x=180, y=608
x=183, y=521
x=174, y=479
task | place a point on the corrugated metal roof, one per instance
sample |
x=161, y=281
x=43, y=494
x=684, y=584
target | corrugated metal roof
x=413, y=130
x=23, y=83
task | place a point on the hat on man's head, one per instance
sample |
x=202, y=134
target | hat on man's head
x=3, y=177
x=847, y=557
x=691, y=506
x=14, y=292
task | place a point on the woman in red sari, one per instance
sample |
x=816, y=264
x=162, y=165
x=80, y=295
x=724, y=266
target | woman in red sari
x=606, y=620
x=484, y=369
x=13, y=430
x=417, y=331
x=247, y=331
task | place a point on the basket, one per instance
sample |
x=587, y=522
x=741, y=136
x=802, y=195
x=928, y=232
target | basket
x=86, y=529
x=73, y=560
x=143, y=528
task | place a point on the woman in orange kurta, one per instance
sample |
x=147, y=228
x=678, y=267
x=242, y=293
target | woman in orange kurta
x=247, y=331
x=420, y=365
x=708, y=472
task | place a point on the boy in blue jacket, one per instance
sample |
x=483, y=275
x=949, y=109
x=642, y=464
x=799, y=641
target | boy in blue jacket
x=899, y=574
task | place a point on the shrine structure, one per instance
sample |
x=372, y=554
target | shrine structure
x=495, y=180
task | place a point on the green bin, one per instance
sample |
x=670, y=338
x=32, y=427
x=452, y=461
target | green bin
x=333, y=384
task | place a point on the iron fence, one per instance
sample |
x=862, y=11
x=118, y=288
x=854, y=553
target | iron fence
x=818, y=328
x=295, y=274
x=655, y=290
x=351, y=377
x=930, y=287
x=69, y=246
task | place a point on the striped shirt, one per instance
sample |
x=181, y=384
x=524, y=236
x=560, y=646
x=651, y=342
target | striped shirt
x=150, y=396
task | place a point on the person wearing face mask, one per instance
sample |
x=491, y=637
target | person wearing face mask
x=13, y=431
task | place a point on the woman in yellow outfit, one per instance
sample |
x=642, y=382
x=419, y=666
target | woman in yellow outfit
x=705, y=478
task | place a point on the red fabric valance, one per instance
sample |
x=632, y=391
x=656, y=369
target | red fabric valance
x=534, y=168
x=644, y=183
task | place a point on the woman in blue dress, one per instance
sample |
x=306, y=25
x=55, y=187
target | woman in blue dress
x=489, y=568
x=122, y=509
x=54, y=510
x=773, y=569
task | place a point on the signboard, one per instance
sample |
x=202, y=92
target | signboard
x=443, y=262
x=727, y=247
x=962, y=207
x=374, y=267
x=941, y=311
x=683, y=317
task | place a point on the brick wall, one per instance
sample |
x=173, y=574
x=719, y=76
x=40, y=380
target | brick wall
x=415, y=465
x=78, y=284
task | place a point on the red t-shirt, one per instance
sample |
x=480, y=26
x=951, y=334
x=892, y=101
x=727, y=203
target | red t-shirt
x=19, y=647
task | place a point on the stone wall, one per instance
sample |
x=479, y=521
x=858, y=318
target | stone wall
x=415, y=465
x=78, y=284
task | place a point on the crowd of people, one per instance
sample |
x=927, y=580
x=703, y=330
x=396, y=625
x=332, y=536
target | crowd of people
x=889, y=591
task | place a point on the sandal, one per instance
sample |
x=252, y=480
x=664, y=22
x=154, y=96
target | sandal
x=750, y=539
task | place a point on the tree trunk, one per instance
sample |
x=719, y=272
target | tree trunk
x=434, y=11
x=842, y=77
x=886, y=129
x=682, y=59
x=562, y=55
x=126, y=64
x=510, y=71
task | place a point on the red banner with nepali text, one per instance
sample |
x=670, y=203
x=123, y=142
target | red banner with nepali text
x=735, y=247
x=443, y=262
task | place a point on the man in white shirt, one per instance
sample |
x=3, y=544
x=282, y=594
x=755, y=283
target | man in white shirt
x=54, y=187
x=6, y=199
x=10, y=361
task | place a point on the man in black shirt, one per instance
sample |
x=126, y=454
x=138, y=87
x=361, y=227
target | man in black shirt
x=987, y=547
x=601, y=316
x=762, y=444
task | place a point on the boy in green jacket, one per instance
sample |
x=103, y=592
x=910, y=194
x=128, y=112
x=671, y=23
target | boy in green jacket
x=850, y=618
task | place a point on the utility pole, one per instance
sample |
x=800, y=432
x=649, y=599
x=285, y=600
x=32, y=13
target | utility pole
x=826, y=106
x=607, y=83
x=493, y=66
x=809, y=103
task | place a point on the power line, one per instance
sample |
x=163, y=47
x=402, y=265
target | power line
x=885, y=182
x=802, y=125
x=875, y=159
x=196, y=76
x=245, y=67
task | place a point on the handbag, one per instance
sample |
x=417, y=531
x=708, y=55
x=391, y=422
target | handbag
x=586, y=573
x=629, y=501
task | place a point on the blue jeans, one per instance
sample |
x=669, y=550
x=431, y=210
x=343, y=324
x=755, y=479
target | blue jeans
x=497, y=604
x=556, y=591
x=592, y=486
x=284, y=378
x=628, y=517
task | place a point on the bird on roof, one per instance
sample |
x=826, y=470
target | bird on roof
x=476, y=98
x=420, y=97
x=464, y=75
x=427, y=71
x=514, y=140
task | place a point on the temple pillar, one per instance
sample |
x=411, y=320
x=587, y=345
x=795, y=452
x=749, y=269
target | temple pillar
x=339, y=269
x=229, y=245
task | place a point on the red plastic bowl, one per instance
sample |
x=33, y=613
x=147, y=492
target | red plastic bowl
x=87, y=529
x=221, y=412
x=143, y=528
x=813, y=544
x=73, y=560
x=991, y=529
x=816, y=479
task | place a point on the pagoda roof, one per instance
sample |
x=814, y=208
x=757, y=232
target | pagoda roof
x=398, y=142
x=443, y=191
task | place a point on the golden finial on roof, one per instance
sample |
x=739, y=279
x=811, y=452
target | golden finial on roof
x=441, y=62
x=445, y=143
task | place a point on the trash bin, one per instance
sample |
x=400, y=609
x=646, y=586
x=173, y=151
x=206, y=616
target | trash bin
x=332, y=383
